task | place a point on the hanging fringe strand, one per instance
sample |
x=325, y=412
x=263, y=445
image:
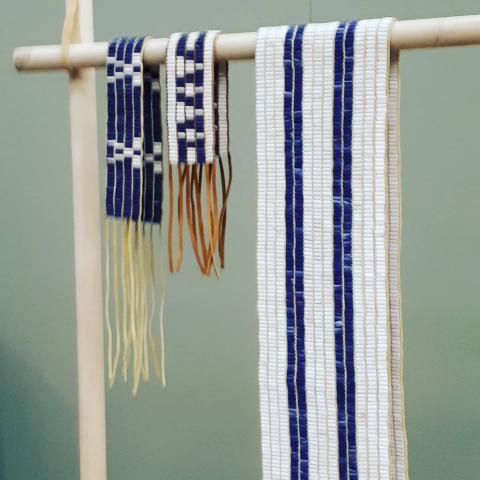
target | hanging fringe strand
x=133, y=197
x=197, y=122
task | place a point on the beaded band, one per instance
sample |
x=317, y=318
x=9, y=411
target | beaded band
x=318, y=94
x=134, y=196
x=111, y=128
x=172, y=98
x=330, y=375
x=119, y=127
x=127, y=110
x=138, y=104
x=271, y=237
x=191, y=84
x=148, y=165
x=197, y=122
x=153, y=166
x=130, y=200
x=180, y=99
x=208, y=97
x=190, y=97
x=199, y=110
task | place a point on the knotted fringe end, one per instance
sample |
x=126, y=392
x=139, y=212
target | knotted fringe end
x=134, y=203
x=330, y=338
x=197, y=123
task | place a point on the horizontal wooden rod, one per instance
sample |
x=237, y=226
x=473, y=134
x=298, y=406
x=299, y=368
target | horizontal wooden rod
x=405, y=35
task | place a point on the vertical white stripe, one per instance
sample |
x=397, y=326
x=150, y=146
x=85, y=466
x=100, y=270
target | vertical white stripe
x=280, y=262
x=318, y=64
x=223, y=109
x=189, y=91
x=172, y=98
x=381, y=246
x=270, y=253
x=208, y=84
x=137, y=81
x=399, y=456
x=369, y=249
x=313, y=421
x=261, y=265
x=381, y=438
x=327, y=326
x=358, y=266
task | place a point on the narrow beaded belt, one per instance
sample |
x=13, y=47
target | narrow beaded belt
x=330, y=365
x=134, y=197
x=197, y=123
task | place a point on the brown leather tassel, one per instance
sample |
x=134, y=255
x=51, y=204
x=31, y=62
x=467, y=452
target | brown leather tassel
x=223, y=213
x=170, y=218
x=212, y=213
x=181, y=179
x=198, y=199
x=224, y=192
x=215, y=206
x=189, y=200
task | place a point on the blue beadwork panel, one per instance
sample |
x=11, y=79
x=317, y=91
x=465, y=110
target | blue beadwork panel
x=134, y=134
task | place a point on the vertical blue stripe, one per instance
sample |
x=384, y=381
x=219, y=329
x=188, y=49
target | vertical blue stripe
x=299, y=260
x=158, y=157
x=199, y=76
x=215, y=108
x=180, y=82
x=127, y=160
x=148, y=177
x=337, y=249
x=120, y=127
x=297, y=404
x=152, y=183
x=289, y=253
x=111, y=117
x=137, y=192
x=342, y=249
x=347, y=249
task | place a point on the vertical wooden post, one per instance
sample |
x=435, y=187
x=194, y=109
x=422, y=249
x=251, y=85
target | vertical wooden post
x=88, y=273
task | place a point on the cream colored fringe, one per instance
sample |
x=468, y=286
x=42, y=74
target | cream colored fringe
x=134, y=292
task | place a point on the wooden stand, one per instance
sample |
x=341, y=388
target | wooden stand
x=88, y=273
x=405, y=35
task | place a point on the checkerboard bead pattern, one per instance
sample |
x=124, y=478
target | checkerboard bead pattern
x=198, y=74
x=134, y=136
x=197, y=124
x=330, y=374
x=190, y=98
x=133, y=196
x=153, y=166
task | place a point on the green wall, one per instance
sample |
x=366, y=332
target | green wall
x=205, y=425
